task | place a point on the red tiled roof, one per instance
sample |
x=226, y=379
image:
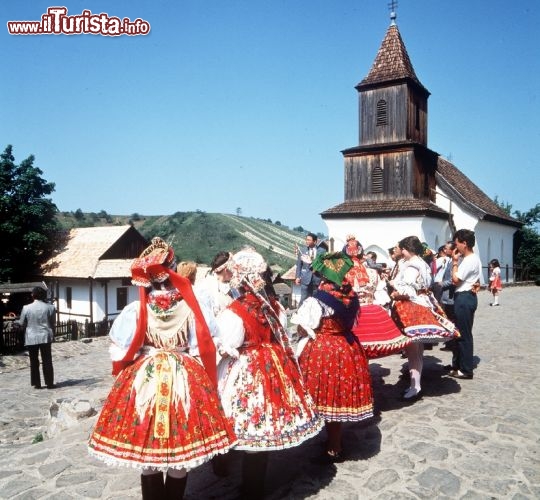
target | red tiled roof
x=466, y=193
x=392, y=62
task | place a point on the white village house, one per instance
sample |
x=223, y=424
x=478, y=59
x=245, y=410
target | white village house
x=395, y=186
x=89, y=279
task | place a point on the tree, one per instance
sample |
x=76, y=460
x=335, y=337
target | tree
x=527, y=242
x=29, y=230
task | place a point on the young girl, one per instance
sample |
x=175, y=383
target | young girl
x=495, y=283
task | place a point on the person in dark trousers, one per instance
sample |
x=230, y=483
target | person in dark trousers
x=39, y=321
x=305, y=277
x=466, y=271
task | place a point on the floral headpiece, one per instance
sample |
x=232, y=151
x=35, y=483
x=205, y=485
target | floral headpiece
x=247, y=266
x=150, y=266
x=353, y=248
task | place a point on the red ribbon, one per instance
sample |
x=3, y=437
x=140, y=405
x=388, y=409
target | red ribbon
x=207, y=349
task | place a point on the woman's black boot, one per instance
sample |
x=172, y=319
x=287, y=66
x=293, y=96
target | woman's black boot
x=175, y=487
x=152, y=486
x=253, y=474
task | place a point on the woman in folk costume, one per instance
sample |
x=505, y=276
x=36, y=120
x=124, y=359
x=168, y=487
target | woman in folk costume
x=259, y=381
x=375, y=329
x=333, y=362
x=417, y=312
x=163, y=412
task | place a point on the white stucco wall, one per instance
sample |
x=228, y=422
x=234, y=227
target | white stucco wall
x=380, y=234
x=80, y=297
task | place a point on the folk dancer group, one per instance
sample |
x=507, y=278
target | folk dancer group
x=203, y=369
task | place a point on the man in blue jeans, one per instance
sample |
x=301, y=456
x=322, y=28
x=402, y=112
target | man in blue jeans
x=466, y=270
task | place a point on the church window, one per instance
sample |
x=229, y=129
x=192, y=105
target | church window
x=382, y=116
x=377, y=180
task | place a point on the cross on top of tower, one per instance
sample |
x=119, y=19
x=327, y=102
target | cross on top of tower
x=392, y=7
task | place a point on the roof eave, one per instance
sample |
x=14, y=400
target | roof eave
x=391, y=82
x=389, y=146
x=384, y=213
x=501, y=220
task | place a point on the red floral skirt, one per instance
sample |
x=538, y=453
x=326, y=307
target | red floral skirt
x=262, y=391
x=162, y=411
x=336, y=374
x=377, y=333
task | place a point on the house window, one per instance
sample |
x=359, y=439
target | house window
x=382, y=117
x=69, y=296
x=417, y=116
x=377, y=180
x=121, y=298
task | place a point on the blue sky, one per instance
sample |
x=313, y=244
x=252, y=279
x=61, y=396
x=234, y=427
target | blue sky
x=247, y=104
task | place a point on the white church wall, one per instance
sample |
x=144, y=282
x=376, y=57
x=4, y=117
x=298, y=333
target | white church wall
x=435, y=232
x=495, y=241
x=379, y=234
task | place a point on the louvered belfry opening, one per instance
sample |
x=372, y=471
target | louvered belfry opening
x=382, y=116
x=377, y=180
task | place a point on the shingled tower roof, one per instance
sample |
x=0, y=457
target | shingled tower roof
x=392, y=63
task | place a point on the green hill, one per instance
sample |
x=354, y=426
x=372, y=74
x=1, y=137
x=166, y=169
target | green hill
x=198, y=236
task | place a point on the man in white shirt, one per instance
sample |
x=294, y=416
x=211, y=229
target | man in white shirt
x=466, y=271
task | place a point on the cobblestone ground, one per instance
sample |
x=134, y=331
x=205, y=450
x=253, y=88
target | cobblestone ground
x=469, y=439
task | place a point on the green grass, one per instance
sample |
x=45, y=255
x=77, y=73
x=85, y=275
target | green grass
x=198, y=236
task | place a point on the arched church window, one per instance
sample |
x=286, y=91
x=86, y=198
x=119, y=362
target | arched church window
x=382, y=116
x=377, y=180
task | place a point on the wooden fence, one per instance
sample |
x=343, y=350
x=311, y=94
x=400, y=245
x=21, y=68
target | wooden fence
x=510, y=274
x=12, y=338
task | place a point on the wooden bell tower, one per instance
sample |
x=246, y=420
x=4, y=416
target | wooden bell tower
x=392, y=160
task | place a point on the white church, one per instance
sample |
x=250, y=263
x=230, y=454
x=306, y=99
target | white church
x=395, y=186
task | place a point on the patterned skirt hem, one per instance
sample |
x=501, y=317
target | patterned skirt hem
x=429, y=339
x=256, y=444
x=115, y=458
x=340, y=417
x=375, y=350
